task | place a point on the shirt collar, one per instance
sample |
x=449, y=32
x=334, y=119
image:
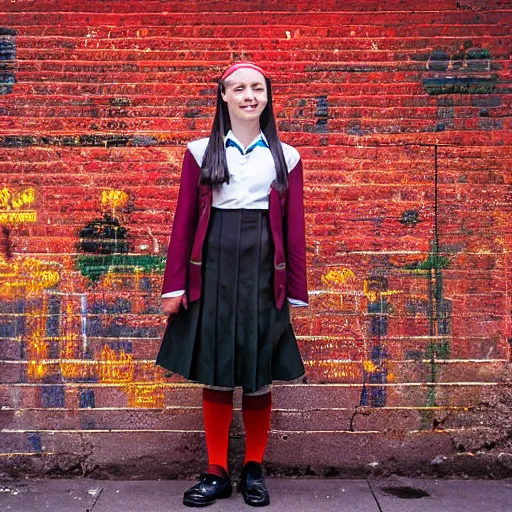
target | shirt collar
x=256, y=142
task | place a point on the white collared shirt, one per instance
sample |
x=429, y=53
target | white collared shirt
x=250, y=176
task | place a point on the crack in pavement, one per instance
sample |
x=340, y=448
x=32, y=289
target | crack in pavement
x=373, y=494
x=95, y=501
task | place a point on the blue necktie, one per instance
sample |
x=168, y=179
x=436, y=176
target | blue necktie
x=232, y=143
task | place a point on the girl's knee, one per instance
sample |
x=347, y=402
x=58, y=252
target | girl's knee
x=262, y=391
x=219, y=388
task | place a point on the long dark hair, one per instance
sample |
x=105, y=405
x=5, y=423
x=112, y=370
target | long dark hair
x=214, y=168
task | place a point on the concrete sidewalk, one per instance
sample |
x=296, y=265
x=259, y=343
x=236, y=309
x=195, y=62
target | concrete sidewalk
x=395, y=494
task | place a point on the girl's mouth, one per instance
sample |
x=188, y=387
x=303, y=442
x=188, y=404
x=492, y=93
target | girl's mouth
x=249, y=108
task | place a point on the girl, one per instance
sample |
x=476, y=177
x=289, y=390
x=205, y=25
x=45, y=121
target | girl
x=236, y=253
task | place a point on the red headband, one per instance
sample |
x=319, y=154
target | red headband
x=239, y=65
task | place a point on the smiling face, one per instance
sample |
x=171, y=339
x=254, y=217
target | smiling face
x=245, y=95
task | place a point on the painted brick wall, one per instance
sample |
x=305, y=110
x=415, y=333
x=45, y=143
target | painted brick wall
x=401, y=112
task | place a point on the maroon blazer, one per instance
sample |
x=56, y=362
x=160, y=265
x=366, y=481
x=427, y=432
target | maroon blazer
x=286, y=213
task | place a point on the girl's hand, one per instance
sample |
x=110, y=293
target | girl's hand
x=171, y=305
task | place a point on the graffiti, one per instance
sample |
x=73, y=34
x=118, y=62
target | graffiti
x=10, y=204
x=17, y=217
x=367, y=333
x=322, y=115
x=299, y=116
x=34, y=439
x=13, y=201
x=376, y=295
x=104, y=244
x=115, y=366
x=53, y=396
x=103, y=236
x=470, y=63
x=375, y=372
x=57, y=321
x=145, y=395
x=433, y=262
x=337, y=277
x=86, y=398
x=114, y=199
x=410, y=217
x=71, y=350
x=338, y=293
x=37, y=346
x=27, y=276
x=439, y=309
x=466, y=71
x=8, y=53
x=416, y=306
x=375, y=369
x=12, y=215
x=110, y=267
x=336, y=369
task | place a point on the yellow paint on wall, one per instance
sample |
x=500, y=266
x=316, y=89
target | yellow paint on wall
x=18, y=217
x=391, y=377
x=114, y=198
x=141, y=395
x=374, y=295
x=337, y=277
x=115, y=367
x=16, y=200
x=335, y=369
x=369, y=366
x=11, y=202
x=26, y=276
x=25, y=196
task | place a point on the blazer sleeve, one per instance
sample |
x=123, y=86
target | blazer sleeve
x=295, y=241
x=183, y=228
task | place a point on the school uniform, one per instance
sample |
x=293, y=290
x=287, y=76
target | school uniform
x=238, y=252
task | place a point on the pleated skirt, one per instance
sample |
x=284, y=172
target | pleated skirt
x=234, y=335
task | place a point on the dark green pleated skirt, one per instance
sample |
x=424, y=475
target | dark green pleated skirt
x=234, y=335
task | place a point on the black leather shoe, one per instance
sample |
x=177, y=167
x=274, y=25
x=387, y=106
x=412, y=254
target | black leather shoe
x=210, y=488
x=252, y=485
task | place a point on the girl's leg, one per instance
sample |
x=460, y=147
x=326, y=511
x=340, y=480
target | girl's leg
x=217, y=416
x=256, y=409
x=215, y=483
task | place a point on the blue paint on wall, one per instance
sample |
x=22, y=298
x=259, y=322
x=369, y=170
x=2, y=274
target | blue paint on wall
x=52, y=396
x=53, y=320
x=34, y=440
x=86, y=398
x=7, y=54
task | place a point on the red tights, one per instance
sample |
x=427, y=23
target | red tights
x=217, y=415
